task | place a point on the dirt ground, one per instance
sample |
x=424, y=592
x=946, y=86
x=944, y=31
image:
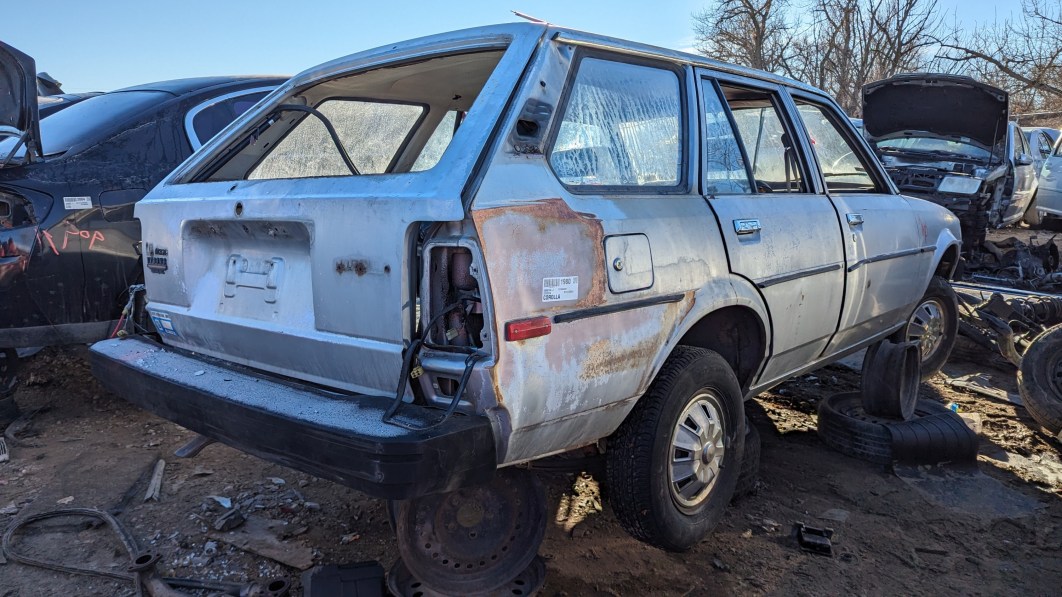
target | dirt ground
x=995, y=532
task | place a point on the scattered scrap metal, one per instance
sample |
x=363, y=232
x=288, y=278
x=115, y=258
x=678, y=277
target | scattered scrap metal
x=141, y=571
x=1015, y=264
x=1010, y=303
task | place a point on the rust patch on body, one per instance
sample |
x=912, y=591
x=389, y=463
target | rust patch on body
x=541, y=229
x=604, y=358
x=359, y=266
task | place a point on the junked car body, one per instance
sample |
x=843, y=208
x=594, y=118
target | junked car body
x=68, y=183
x=1048, y=202
x=1044, y=144
x=947, y=138
x=416, y=264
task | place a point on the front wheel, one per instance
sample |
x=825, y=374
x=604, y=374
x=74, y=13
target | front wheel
x=933, y=325
x=1033, y=216
x=674, y=463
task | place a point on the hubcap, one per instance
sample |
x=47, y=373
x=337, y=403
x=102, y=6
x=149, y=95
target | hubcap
x=698, y=444
x=926, y=326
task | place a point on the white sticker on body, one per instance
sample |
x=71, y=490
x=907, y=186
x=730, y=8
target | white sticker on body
x=77, y=202
x=565, y=288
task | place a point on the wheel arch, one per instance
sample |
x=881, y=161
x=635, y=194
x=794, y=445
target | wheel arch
x=738, y=334
x=947, y=261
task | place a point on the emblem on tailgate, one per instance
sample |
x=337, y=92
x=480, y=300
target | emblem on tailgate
x=156, y=258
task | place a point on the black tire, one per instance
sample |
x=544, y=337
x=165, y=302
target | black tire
x=9, y=363
x=940, y=296
x=1033, y=217
x=1040, y=380
x=694, y=383
x=8, y=412
x=750, y=463
x=934, y=435
x=890, y=378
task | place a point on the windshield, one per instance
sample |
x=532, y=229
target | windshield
x=87, y=119
x=935, y=145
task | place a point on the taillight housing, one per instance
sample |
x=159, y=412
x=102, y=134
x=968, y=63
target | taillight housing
x=524, y=329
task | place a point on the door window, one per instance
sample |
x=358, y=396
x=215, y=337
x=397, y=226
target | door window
x=1044, y=144
x=769, y=146
x=724, y=166
x=842, y=167
x=622, y=127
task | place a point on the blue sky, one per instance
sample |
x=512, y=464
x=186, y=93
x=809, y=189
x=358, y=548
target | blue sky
x=107, y=44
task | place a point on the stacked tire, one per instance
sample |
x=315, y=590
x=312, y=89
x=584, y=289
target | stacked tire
x=885, y=421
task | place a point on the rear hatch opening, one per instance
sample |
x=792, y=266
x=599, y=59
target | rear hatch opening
x=324, y=238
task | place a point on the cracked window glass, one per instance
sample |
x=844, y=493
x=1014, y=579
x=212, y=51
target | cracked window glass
x=437, y=143
x=768, y=146
x=724, y=170
x=371, y=132
x=621, y=127
x=839, y=160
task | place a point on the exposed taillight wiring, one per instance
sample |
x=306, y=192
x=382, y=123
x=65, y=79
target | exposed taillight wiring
x=473, y=357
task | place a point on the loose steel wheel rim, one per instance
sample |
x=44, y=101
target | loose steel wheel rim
x=926, y=327
x=698, y=444
x=474, y=539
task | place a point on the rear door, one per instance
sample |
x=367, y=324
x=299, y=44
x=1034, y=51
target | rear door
x=780, y=232
x=887, y=251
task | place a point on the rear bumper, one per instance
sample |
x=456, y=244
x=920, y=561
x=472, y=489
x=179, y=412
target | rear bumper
x=340, y=437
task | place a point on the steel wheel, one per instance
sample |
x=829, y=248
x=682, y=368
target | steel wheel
x=1056, y=376
x=926, y=326
x=698, y=444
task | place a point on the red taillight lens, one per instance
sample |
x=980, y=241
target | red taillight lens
x=527, y=328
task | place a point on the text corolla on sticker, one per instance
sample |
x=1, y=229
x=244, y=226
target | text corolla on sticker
x=77, y=202
x=564, y=288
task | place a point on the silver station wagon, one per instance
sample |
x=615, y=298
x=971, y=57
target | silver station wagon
x=412, y=268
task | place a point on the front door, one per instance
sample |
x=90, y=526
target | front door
x=888, y=252
x=780, y=233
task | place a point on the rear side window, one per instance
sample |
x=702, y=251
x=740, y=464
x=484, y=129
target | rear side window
x=437, y=143
x=208, y=119
x=621, y=127
x=371, y=132
x=842, y=168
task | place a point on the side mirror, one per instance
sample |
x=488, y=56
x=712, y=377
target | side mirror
x=1025, y=160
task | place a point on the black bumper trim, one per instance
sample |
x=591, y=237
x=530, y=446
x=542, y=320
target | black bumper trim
x=334, y=436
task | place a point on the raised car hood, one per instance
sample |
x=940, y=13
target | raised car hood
x=18, y=99
x=944, y=105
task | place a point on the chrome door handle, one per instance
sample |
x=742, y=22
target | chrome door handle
x=854, y=219
x=747, y=226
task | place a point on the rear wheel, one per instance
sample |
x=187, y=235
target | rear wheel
x=933, y=325
x=674, y=463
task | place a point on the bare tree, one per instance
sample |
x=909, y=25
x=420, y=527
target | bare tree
x=839, y=46
x=749, y=32
x=1022, y=54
